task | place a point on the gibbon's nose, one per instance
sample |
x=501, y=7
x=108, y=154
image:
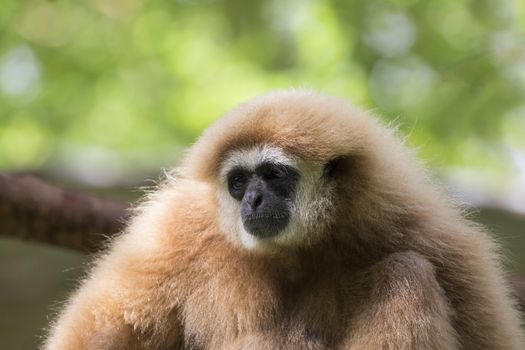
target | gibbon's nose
x=263, y=213
x=254, y=197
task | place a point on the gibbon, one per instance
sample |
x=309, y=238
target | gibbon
x=297, y=221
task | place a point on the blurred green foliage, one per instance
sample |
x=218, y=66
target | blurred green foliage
x=125, y=84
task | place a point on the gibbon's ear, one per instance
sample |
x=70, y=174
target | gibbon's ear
x=333, y=167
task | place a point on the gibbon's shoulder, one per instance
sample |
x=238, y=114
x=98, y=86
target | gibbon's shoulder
x=172, y=226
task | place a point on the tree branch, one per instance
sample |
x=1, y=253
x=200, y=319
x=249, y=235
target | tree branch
x=33, y=209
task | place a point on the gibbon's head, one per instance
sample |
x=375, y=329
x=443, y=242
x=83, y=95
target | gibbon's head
x=291, y=166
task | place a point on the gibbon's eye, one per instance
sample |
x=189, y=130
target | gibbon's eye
x=275, y=173
x=331, y=167
x=272, y=171
x=237, y=181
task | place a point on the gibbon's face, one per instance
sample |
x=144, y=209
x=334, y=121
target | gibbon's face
x=269, y=199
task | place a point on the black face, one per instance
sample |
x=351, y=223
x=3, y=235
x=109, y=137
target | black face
x=265, y=195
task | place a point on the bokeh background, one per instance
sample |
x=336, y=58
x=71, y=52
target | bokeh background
x=101, y=95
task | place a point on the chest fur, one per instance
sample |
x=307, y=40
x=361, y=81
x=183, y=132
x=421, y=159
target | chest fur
x=246, y=304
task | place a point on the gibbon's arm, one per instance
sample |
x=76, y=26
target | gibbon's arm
x=404, y=308
x=91, y=320
x=132, y=298
x=469, y=271
x=117, y=307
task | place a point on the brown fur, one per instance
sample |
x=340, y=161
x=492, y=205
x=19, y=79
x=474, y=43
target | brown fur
x=397, y=268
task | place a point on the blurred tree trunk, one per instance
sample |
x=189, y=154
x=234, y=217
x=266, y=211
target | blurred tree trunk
x=36, y=210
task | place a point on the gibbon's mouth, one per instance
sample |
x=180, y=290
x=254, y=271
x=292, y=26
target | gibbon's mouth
x=265, y=226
